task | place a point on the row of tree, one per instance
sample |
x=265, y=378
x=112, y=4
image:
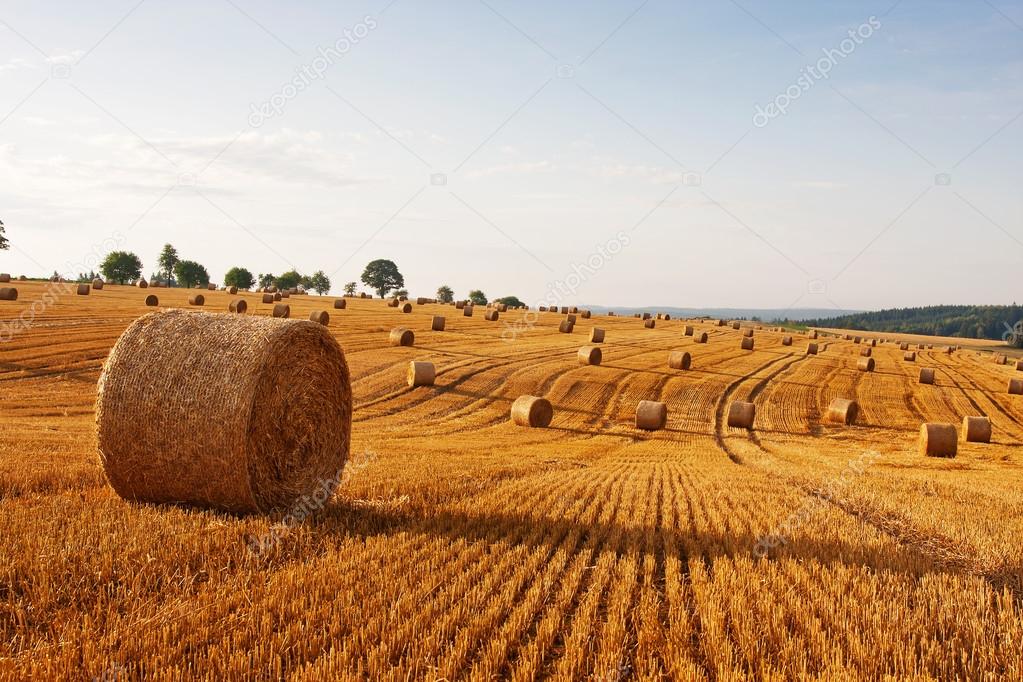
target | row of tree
x=964, y=321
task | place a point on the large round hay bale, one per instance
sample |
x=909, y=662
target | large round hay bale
x=938, y=440
x=5, y=277
x=439, y=321
x=651, y=415
x=142, y=283
x=649, y=324
x=866, y=351
x=239, y=306
x=211, y=286
x=198, y=299
x=741, y=414
x=421, y=301
x=268, y=298
x=8, y=294
x=571, y=318
x=811, y=349
x=232, y=290
x=467, y=311
x=748, y=332
x=501, y=307
x=786, y=340
x=589, y=355
x=872, y=343
x=340, y=304
x=926, y=375
x=909, y=356
x=857, y=340
x=278, y=296
x=843, y=411
x=531, y=411
x=679, y=359
x=586, y=314
x=407, y=308
x=812, y=334
x=1015, y=386
x=566, y=327
x=701, y=337
x=241, y=414
x=320, y=317
x=421, y=374
x=402, y=337
x=97, y=284
x=491, y=316
x=865, y=365
x=152, y=301
x=542, y=308
x=747, y=343
x=83, y=289
x=283, y=294
x=596, y=335
x=688, y=330
x=393, y=303
x=976, y=430
x=459, y=305
x=281, y=310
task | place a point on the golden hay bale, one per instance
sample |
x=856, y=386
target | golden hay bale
x=566, y=327
x=651, y=415
x=278, y=296
x=866, y=351
x=865, y=364
x=649, y=324
x=786, y=340
x=502, y=307
x=586, y=314
x=198, y=299
x=679, y=359
x=531, y=411
x=8, y=294
x=1015, y=386
x=589, y=355
x=152, y=301
x=998, y=359
x=393, y=303
x=857, y=340
x=83, y=289
x=719, y=323
x=571, y=318
x=491, y=316
x=748, y=332
x=421, y=301
x=232, y=290
x=909, y=356
x=667, y=317
x=239, y=305
x=5, y=277
x=564, y=310
x=459, y=305
x=843, y=411
x=402, y=337
x=872, y=342
x=421, y=374
x=142, y=283
x=211, y=287
x=282, y=310
x=97, y=284
x=407, y=308
x=812, y=334
x=438, y=323
x=903, y=346
x=647, y=316
x=926, y=375
x=320, y=317
x=688, y=330
x=542, y=309
x=921, y=347
x=240, y=414
x=340, y=304
x=938, y=440
x=467, y=311
x=1019, y=365
x=736, y=325
x=596, y=335
x=811, y=349
x=268, y=298
x=701, y=337
x=741, y=414
x=976, y=430
x=284, y=294
x=747, y=343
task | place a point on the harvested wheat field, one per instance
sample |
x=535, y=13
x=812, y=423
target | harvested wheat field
x=459, y=545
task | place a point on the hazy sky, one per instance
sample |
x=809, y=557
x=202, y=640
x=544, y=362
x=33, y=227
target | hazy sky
x=636, y=151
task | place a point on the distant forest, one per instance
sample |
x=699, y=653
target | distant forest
x=965, y=321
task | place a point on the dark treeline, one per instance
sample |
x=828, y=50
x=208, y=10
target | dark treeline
x=965, y=321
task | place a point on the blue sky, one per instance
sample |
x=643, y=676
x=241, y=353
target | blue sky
x=514, y=146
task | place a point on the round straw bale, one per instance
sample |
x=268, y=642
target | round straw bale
x=340, y=304
x=866, y=351
x=438, y=323
x=83, y=289
x=566, y=327
x=938, y=440
x=239, y=305
x=320, y=317
x=909, y=356
x=872, y=342
x=843, y=411
x=198, y=299
x=402, y=337
x=571, y=318
x=811, y=349
x=97, y=284
x=240, y=414
x=284, y=294
x=688, y=331
x=586, y=314
x=748, y=332
x=735, y=325
x=719, y=323
x=701, y=337
x=272, y=290
x=596, y=335
x=420, y=301
x=142, y=283
x=667, y=317
x=542, y=309
x=393, y=303
x=976, y=430
x=211, y=286
x=857, y=340
x=152, y=301
x=421, y=374
x=459, y=305
x=268, y=298
x=278, y=296
x=679, y=359
x=651, y=415
x=786, y=340
x=502, y=307
x=741, y=414
x=467, y=311
x=926, y=375
x=531, y=411
x=8, y=294
x=865, y=364
x=649, y=324
x=589, y=355
x=5, y=277
x=747, y=343
x=1019, y=365
x=999, y=359
x=564, y=310
x=491, y=316
x=407, y=308
x=903, y=346
x=812, y=334
x=232, y=290
x=282, y=310
x=1015, y=386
